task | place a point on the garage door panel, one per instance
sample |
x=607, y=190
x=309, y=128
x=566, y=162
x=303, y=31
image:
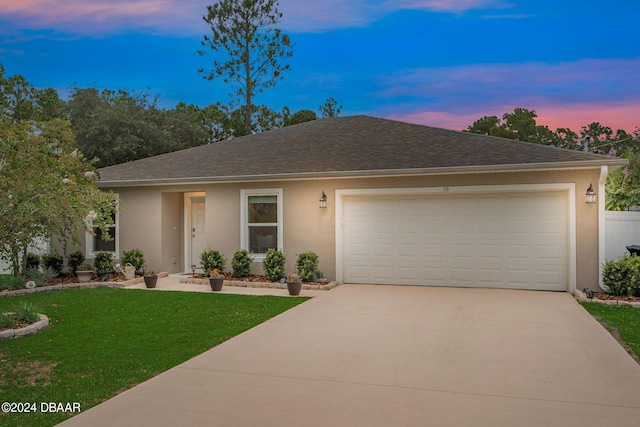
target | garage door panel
x=497, y=240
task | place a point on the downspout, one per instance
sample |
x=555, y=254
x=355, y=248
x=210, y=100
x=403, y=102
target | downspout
x=602, y=243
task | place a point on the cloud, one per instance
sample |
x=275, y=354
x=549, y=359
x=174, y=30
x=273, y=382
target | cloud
x=467, y=87
x=89, y=17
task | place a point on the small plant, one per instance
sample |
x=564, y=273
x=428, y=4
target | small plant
x=102, y=262
x=215, y=274
x=75, y=260
x=33, y=260
x=85, y=267
x=11, y=283
x=212, y=259
x=241, y=263
x=294, y=278
x=135, y=257
x=273, y=264
x=25, y=312
x=41, y=277
x=149, y=272
x=307, y=266
x=622, y=277
x=54, y=262
x=6, y=322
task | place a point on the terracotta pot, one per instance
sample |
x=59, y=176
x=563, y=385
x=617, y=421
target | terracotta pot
x=216, y=284
x=294, y=288
x=150, y=281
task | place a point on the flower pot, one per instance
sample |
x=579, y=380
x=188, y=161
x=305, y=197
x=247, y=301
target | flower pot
x=216, y=284
x=294, y=288
x=150, y=281
x=84, y=276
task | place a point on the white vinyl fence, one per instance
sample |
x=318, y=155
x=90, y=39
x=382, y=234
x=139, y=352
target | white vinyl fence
x=622, y=229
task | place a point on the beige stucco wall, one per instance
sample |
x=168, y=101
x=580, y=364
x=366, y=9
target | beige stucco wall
x=152, y=218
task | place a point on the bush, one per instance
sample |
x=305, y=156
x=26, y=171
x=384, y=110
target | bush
x=33, y=260
x=135, y=257
x=307, y=266
x=103, y=262
x=26, y=312
x=11, y=283
x=75, y=260
x=273, y=264
x=41, y=277
x=241, y=263
x=622, y=277
x=54, y=262
x=210, y=259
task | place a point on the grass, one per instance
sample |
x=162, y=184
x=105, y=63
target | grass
x=622, y=321
x=104, y=341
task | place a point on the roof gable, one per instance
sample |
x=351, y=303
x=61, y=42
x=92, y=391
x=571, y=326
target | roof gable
x=346, y=146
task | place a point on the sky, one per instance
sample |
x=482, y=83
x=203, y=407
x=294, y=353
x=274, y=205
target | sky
x=443, y=63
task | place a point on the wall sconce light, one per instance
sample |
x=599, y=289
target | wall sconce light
x=323, y=200
x=591, y=195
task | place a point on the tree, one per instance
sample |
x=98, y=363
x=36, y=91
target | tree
x=248, y=49
x=46, y=188
x=298, y=117
x=330, y=108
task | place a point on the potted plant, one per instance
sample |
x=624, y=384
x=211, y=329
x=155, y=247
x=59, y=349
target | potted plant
x=150, y=278
x=84, y=273
x=294, y=284
x=216, y=280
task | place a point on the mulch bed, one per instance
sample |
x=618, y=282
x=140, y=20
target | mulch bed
x=603, y=296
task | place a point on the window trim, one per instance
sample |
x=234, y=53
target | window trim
x=244, y=217
x=90, y=238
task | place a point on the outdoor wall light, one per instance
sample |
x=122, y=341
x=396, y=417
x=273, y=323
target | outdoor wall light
x=323, y=200
x=591, y=195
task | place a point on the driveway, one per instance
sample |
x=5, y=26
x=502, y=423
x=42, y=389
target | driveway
x=363, y=355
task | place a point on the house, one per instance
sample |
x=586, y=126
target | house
x=405, y=204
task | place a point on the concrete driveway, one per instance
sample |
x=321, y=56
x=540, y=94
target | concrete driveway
x=364, y=355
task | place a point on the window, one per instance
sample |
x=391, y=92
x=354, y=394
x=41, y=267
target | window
x=261, y=220
x=95, y=243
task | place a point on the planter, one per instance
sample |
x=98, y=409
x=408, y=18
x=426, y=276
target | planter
x=84, y=276
x=294, y=288
x=150, y=281
x=216, y=284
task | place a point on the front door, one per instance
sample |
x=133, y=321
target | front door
x=197, y=229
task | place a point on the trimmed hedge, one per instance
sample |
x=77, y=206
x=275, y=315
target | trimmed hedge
x=622, y=277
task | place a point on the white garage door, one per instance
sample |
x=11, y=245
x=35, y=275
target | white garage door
x=501, y=240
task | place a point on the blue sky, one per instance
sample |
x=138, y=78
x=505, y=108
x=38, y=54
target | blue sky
x=443, y=63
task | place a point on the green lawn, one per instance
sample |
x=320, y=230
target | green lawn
x=622, y=321
x=104, y=341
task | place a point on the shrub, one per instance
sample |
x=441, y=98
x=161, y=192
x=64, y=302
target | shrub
x=307, y=266
x=135, y=257
x=26, y=312
x=241, y=263
x=273, y=264
x=12, y=283
x=41, y=277
x=103, y=262
x=75, y=260
x=54, y=262
x=212, y=259
x=6, y=322
x=33, y=260
x=622, y=277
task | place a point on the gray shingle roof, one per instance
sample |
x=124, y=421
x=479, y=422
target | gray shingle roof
x=356, y=145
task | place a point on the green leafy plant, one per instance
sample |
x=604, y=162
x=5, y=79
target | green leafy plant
x=241, y=263
x=33, y=260
x=75, y=260
x=622, y=277
x=41, y=276
x=54, y=262
x=307, y=266
x=6, y=322
x=103, y=262
x=135, y=257
x=85, y=267
x=26, y=311
x=273, y=264
x=11, y=283
x=211, y=259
